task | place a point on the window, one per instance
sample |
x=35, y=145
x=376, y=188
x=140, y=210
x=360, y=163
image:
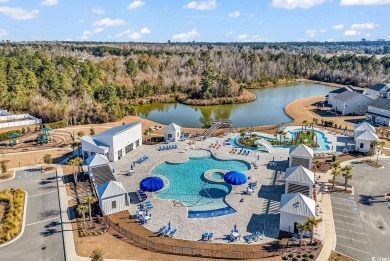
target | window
x=361, y=145
x=119, y=154
x=169, y=136
x=129, y=148
x=113, y=204
x=137, y=143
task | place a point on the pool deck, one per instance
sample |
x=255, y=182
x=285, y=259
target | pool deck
x=262, y=207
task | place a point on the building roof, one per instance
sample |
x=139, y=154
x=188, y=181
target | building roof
x=347, y=95
x=96, y=160
x=95, y=142
x=381, y=103
x=102, y=174
x=297, y=204
x=379, y=86
x=301, y=150
x=366, y=135
x=341, y=90
x=110, y=189
x=173, y=126
x=116, y=130
x=364, y=126
x=300, y=174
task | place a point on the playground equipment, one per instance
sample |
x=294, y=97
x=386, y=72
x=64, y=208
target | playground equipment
x=14, y=140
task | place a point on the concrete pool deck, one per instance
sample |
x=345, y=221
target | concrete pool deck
x=262, y=207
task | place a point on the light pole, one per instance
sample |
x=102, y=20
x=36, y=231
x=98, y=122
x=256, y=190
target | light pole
x=378, y=150
x=13, y=196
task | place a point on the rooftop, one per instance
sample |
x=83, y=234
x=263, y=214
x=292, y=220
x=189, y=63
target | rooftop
x=110, y=189
x=301, y=150
x=297, y=204
x=381, y=103
x=347, y=95
x=299, y=174
x=116, y=130
x=379, y=86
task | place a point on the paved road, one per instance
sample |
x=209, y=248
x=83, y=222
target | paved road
x=362, y=221
x=42, y=237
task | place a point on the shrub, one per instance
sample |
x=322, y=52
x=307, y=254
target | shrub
x=4, y=135
x=311, y=256
x=290, y=255
x=305, y=259
x=97, y=255
x=295, y=259
x=12, y=222
x=299, y=256
x=305, y=255
x=285, y=257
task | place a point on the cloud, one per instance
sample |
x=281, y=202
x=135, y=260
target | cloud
x=202, y=5
x=229, y=33
x=323, y=31
x=311, y=33
x=234, y=14
x=3, y=32
x=351, y=33
x=18, y=13
x=97, y=10
x=249, y=38
x=107, y=22
x=292, y=4
x=50, y=2
x=338, y=27
x=145, y=30
x=94, y=31
x=242, y=37
x=84, y=37
x=363, y=26
x=3, y=1
x=364, y=2
x=191, y=35
x=135, y=4
x=134, y=35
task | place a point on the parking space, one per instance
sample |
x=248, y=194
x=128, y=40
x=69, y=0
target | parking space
x=350, y=233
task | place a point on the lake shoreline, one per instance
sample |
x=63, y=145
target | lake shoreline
x=245, y=97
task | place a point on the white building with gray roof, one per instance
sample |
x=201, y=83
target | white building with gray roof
x=301, y=155
x=299, y=179
x=379, y=112
x=380, y=90
x=352, y=103
x=364, y=135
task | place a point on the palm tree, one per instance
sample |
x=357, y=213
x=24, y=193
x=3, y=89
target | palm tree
x=146, y=132
x=301, y=228
x=373, y=146
x=312, y=223
x=150, y=130
x=347, y=175
x=335, y=171
x=73, y=163
x=78, y=161
x=89, y=200
x=81, y=210
x=80, y=134
x=305, y=123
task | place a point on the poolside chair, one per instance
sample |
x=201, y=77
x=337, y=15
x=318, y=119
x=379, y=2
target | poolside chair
x=173, y=233
x=205, y=236
x=211, y=236
x=247, y=153
x=167, y=231
x=162, y=230
x=248, y=239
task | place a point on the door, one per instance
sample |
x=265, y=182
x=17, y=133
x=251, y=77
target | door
x=295, y=227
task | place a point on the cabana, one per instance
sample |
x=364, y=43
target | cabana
x=112, y=197
x=301, y=155
x=172, y=132
x=299, y=179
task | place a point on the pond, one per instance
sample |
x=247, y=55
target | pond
x=267, y=109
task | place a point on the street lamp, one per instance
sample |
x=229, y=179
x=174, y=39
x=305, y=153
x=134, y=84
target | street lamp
x=13, y=196
x=378, y=150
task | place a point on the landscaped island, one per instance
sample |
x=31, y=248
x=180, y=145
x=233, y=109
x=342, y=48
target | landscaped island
x=11, y=213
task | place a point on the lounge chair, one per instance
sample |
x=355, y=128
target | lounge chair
x=167, y=232
x=248, y=239
x=205, y=236
x=162, y=230
x=211, y=236
x=173, y=233
x=247, y=153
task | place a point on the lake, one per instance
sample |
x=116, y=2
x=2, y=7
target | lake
x=267, y=109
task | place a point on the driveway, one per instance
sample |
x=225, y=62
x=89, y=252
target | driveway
x=362, y=220
x=42, y=237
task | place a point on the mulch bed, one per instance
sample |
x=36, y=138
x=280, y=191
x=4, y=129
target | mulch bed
x=373, y=163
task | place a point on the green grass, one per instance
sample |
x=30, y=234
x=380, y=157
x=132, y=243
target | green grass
x=13, y=220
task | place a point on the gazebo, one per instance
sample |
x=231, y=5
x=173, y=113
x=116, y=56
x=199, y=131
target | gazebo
x=14, y=136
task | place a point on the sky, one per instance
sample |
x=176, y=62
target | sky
x=193, y=20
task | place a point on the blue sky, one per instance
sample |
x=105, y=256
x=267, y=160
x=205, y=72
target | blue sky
x=187, y=20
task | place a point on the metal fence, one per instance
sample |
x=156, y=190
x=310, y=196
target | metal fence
x=190, y=251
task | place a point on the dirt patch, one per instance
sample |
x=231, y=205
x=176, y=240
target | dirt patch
x=373, y=163
x=335, y=256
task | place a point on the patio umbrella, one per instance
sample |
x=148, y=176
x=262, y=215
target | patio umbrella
x=235, y=178
x=13, y=135
x=152, y=184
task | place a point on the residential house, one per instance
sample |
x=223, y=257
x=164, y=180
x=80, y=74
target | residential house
x=379, y=112
x=352, y=103
x=380, y=90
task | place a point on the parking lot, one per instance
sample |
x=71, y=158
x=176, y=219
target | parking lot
x=42, y=236
x=362, y=220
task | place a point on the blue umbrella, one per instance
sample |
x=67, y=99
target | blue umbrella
x=235, y=178
x=152, y=184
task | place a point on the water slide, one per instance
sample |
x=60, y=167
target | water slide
x=266, y=144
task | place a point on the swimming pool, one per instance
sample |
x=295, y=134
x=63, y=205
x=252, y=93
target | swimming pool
x=322, y=140
x=187, y=184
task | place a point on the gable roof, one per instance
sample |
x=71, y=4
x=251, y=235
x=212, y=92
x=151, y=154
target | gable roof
x=364, y=126
x=88, y=139
x=379, y=86
x=301, y=150
x=94, y=142
x=297, y=204
x=173, y=126
x=366, y=135
x=116, y=130
x=341, y=90
x=110, y=189
x=381, y=103
x=299, y=174
x=347, y=95
x=102, y=174
x=96, y=160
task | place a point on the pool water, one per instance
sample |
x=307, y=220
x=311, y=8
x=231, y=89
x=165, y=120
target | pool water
x=217, y=175
x=321, y=140
x=187, y=184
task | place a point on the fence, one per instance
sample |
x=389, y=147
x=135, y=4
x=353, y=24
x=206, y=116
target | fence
x=20, y=123
x=190, y=251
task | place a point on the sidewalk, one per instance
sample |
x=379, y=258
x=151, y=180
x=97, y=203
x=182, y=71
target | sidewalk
x=70, y=249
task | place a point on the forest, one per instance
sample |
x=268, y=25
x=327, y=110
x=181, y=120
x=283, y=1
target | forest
x=94, y=83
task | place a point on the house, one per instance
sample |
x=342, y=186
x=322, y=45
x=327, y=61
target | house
x=172, y=132
x=301, y=155
x=380, y=90
x=294, y=209
x=114, y=143
x=332, y=94
x=379, y=112
x=112, y=197
x=299, y=179
x=352, y=103
x=364, y=135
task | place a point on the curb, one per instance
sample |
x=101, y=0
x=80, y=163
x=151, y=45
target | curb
x=23, y=224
